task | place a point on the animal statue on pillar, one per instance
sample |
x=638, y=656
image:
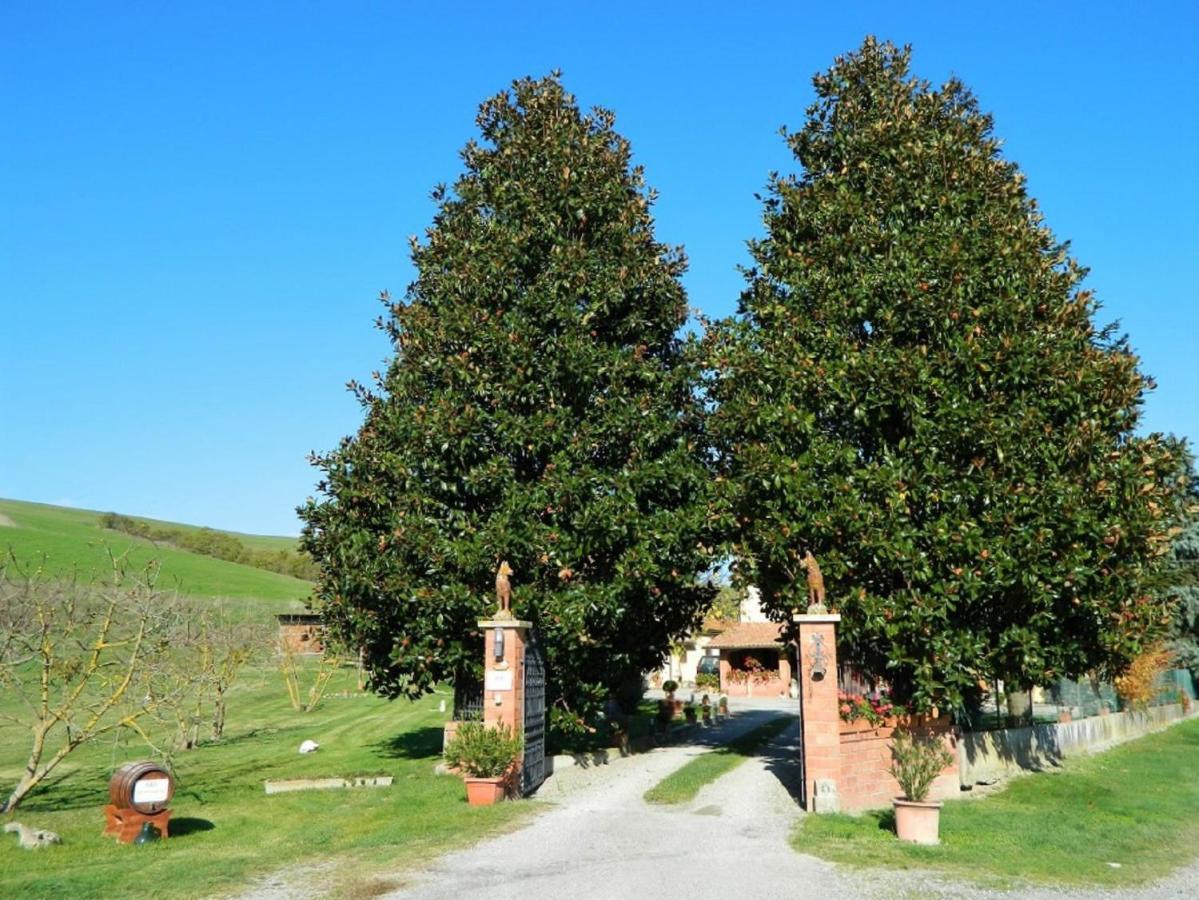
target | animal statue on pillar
x=816, y=605
x=503, y=591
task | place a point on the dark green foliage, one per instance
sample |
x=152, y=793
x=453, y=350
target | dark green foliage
x=216, y=544
x=539, y=409
x=1183, y=581
x=916, y=392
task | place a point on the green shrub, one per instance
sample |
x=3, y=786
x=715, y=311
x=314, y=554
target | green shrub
x=708, y=680
x=670, y=686
x=483, y=752
x=917, y=761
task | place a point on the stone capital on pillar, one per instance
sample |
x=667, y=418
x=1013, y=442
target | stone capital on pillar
x=817, y=678
x=505, y=623
x=816, y=618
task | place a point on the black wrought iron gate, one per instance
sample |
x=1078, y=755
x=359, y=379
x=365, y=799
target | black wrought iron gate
x=796, y=662
x=533, y=769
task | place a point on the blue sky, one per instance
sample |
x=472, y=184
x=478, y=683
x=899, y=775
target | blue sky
x=200, y=203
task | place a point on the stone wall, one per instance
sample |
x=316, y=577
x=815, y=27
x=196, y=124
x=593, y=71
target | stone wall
x=985, y=756
x=865, y=781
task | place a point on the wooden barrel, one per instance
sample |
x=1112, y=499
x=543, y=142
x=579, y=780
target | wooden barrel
x=145, y=787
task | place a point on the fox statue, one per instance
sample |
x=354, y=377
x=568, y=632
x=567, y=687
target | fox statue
x=815, y=583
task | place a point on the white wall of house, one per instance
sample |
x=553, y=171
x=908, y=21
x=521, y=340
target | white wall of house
x=751, y=606
x=682, y=669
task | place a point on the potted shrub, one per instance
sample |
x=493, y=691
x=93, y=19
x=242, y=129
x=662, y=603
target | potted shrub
x=485, y=755
x=689, y=711
x=917, y=761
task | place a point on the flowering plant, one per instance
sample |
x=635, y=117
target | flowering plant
x=751, y=670
x=874, y=708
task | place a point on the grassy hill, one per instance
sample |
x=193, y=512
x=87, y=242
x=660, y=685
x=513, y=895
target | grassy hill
x=65, y=542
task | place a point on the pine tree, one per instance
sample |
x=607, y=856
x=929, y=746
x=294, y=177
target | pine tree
x=540, y=409
x=916, y=391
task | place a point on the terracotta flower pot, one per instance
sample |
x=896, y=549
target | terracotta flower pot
x=484, y=791
x=917, y=822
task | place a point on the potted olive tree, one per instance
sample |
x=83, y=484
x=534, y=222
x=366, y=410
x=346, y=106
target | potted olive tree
x=917, y=761
x=485, y=756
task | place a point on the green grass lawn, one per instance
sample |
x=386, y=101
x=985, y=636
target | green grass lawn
x=229, y=831
x=685, y=782
x=70, y=543
x=1136, y=805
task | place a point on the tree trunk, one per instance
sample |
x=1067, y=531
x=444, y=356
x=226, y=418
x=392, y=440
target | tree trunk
x=19, y=793
x=218, y=715
x=29, y=777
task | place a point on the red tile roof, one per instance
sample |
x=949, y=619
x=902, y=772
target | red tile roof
x=748, y=634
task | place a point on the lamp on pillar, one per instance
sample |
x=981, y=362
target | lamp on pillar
x=498, y=643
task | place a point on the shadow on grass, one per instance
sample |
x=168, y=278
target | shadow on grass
x=423, y=743
x=885, y=819
x=58, y=793
x=185, y=826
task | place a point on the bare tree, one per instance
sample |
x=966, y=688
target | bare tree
x=227, y=647
x=76, y=660
x=209, y=648
x=291, y=669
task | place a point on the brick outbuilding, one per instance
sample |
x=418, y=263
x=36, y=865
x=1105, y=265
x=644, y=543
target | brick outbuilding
x=755, y=659
x=301, y=632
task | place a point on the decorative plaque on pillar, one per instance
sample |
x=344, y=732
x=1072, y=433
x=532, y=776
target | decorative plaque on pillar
x=497, y=680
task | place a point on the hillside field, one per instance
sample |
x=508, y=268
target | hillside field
x=64, y=543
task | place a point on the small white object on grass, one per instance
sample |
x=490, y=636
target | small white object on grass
x=309, y=746
x=1114, y=865
x=32, y=838
x=441, y=708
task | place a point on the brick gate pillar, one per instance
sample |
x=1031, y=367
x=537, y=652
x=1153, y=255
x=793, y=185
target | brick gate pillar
x=504, y=673
x=817, y=678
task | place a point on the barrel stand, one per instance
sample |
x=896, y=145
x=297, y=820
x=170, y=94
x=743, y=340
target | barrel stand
x=126, y=824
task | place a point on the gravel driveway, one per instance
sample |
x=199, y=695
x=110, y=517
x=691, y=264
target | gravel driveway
x=598, y=838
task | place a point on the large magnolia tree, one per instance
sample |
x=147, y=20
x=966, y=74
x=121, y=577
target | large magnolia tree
x=539, y=409
x=916, y=391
